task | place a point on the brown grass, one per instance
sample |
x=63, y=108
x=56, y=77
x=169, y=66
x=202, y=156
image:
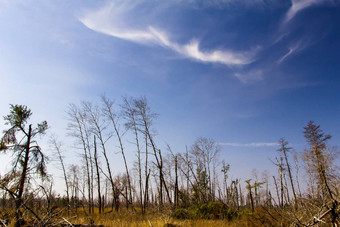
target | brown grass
x=126, y=218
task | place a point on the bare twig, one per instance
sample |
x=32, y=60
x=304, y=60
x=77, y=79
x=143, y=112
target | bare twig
x=3, y=222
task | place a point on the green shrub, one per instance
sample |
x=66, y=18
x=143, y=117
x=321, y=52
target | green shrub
x=180, y=213
x=210, y=210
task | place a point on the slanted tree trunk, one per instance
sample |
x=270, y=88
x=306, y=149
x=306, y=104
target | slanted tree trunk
x=317, y=142
x=77, y=128
x=176, y=183
x=146, y=191
x=88, y=146
x=145, y=120
x=129, y=113
x=285, y=149
x=98, y=175
x=147, y=175
x=108, y=110
x=286, y=188
x=241, y=196
x=97, y=129
x=18, y=201
x=57, y=146
x=277, y=191
x=249, y=187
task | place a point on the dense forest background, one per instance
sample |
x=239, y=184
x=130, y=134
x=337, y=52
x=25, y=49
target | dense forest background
x=192, y=185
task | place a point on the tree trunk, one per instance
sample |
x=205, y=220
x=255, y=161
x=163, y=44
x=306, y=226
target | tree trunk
x=277, y=191
x=98, y=175
x=23, y=177
x=176, y=184
x=112, y=117
x=57, y=147
x=147, y=172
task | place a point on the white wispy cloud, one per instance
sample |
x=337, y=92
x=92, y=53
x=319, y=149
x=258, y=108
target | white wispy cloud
x=108, y=21
x=261, y=144
x=297, y=6
x=285, y=29
x=250, y=76
x=292, y=49
x=227, y=3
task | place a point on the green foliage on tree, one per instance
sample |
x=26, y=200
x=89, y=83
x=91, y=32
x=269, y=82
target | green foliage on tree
x=201, y=187
x=26, y=145
x=28, y=155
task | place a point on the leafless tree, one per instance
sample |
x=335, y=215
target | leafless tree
x=297, y=170
x=57, y=146
x=76, y=127
x=98, y=126
x=131, y=117
x=98, y=175
x=205, y=152
x=112, y=116
x=74, y=173
x=146, y=117
x=285, y=149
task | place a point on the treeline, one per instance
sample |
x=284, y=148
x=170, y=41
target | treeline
x=189, y=184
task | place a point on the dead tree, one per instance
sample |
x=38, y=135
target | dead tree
x=279, y=164
x=146, y=117
x=76, y=129
x=74, y=184
x=205, y=153
x=317, y=140
x=284, y=149
x=98, y=175
x=297, y=168
x=130, y=115
x=250, y=193
x=112, y=116
x=57, y=146
x=98, y=125
x=176, y=182
x=277, y=191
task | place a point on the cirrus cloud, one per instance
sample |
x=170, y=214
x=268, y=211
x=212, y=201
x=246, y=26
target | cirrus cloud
x=107, y=20
x=297, y=6
x=258, y=144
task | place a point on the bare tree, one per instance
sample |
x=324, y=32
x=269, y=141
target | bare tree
x=250, y=193
x=98, y=125
x=205, y=152
x=113, y=117
x=284, y=149
x=76, y=128
x=98, y=175
x=297, y=168
x=130, y=115
x=176, y=182
x=146, y=118
x=277, y=191
x=73, y=174
x=281, y=170
x=57, y=146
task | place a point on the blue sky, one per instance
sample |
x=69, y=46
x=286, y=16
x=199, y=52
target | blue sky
x=243, y=72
